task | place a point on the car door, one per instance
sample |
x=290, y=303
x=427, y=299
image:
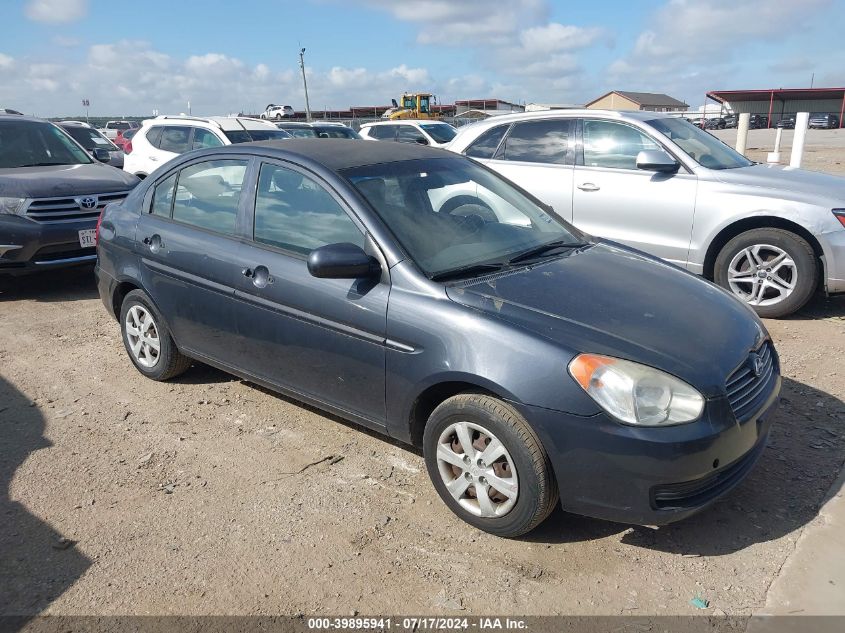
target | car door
x=537, y=155
x=321, y=338
x=188, y=241
x=613, y=199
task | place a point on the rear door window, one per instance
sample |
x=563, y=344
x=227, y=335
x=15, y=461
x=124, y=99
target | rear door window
x=208, y=193
x=544, y=141
x=175, y=139
x=383, y=132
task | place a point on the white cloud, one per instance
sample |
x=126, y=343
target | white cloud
x=132, y=78
x=514, y=41
x=683, y=30
x=56, y=11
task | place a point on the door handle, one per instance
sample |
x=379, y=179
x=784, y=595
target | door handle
x=154, y=159
x=260, y=276
x=154, y=242
x=588, y=186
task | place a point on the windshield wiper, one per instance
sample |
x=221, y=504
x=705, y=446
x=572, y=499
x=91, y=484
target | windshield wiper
x=43, y=164
x=544, y=248
x=468, y=271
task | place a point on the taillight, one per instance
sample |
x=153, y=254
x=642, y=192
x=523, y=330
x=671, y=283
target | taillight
x=97, y=230
x=840, y=215
x=127, y=147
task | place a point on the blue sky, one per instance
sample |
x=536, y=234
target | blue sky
x=131, y=58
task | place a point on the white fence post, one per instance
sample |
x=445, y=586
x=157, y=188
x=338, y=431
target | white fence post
x=802, y=120
x=774, y=157
x=742, y=132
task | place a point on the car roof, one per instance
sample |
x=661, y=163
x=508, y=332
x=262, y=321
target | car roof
x=337, y=154
x=402, y=122
x=21, y=117
x=73, y=124
x=224, y=123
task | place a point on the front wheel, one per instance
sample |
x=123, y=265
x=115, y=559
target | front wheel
x=488, y=465
x=773, y=270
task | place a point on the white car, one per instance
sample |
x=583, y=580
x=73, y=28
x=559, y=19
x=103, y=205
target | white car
x=769, y=234
x=166, y=137
x=424, y=132
x=277, y=112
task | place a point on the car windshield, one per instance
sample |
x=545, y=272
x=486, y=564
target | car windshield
x=440, y=132
x=36, y=144
x=336, y=131
x=118, y=125
x=701, y=146
x=90, y=139
x=451, y=215
x=247, y=136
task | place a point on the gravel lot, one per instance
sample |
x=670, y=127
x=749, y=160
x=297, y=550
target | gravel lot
x=209, y=495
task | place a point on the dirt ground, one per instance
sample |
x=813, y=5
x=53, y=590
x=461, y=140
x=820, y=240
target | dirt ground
x=209, y=495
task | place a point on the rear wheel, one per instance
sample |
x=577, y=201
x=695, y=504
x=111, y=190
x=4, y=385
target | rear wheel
x=147, y=339
x=773, y=270
x=488, y=466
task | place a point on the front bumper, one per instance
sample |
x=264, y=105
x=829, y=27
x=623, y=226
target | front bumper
x=27, y=246
x=833, y=246
x=651, y=476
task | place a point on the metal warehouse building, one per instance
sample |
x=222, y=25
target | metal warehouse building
x=777, y=103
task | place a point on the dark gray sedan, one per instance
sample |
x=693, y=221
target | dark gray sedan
x=422, y=295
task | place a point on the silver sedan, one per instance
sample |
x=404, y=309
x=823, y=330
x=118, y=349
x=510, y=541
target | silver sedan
x=770, y=234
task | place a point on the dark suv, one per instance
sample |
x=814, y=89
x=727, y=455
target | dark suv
x=422, y=295
x=51, y=194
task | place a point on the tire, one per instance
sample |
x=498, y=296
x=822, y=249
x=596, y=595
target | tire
x=522, y=469
x=278, y=117
x=741, y=268
x=162, y=364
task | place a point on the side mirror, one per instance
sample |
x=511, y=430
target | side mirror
x=421, y=140
x=101, y=154
x=657, y=160
x=341, y=261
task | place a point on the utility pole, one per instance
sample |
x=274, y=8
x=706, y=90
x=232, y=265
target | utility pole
x=305, y=84
x=812, y=79
x=86, y=103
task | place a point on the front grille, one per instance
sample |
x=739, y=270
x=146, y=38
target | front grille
x=58, y=210
x=745, y=389
x=692, y=494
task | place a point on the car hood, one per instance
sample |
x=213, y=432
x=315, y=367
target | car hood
x=788, y=181
x=608, y=299
x=64, y=180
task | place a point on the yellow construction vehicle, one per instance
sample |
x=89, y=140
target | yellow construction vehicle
x=415, y=105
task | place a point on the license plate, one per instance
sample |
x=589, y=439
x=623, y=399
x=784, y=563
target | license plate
x=87, y=238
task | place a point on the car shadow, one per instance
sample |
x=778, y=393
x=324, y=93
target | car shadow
x=784, y=491
x=66, y=284
x=36, y=565
x=820, y=307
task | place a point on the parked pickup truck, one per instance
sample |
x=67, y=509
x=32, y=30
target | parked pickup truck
x=112, y=127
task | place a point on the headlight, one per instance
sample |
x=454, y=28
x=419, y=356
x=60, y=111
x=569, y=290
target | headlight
x=636, y=394
x=11, y=206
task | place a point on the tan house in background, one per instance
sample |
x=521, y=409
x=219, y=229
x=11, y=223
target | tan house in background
x=650, y=101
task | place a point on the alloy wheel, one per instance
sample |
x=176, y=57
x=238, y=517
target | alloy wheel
x=762, y=275
x=477, y=470
x=142, y=336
